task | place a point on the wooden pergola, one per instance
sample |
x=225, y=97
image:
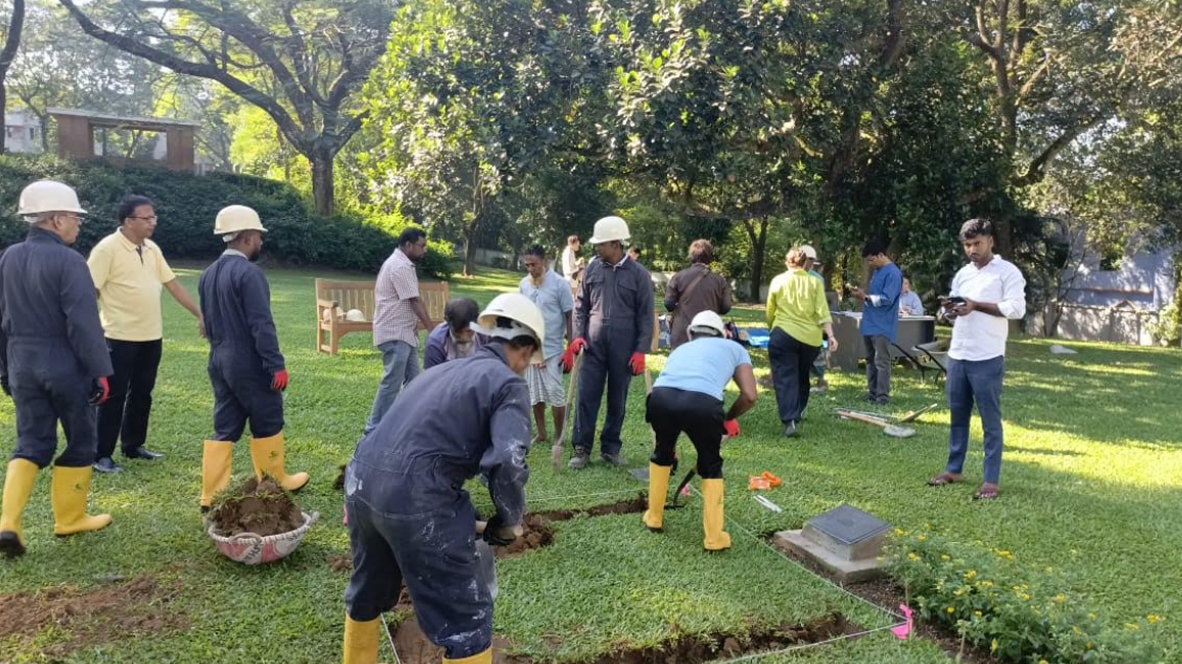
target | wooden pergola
x=76, y=130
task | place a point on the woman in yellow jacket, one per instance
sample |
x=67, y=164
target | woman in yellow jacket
x=796, y=315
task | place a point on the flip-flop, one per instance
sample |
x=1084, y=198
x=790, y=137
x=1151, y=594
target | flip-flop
x=944, y=479
x=984, y=493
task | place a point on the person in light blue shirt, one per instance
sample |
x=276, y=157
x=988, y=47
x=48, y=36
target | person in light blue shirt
x=552, y=294
x=687, y=397
x=880, y=319
x=909, y=302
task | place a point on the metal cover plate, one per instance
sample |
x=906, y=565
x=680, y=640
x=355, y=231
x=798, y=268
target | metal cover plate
x=848, y=524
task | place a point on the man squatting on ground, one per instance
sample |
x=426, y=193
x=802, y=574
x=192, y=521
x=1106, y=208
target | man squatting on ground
x=454, y=338
x=687, y=398
x=246, y=369
x=986, y=295
x=614, y=326
x=551, y=293
x=410, y=518
x=129, y=271
x=53, y=363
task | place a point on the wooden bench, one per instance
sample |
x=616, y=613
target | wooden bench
x=334, y=299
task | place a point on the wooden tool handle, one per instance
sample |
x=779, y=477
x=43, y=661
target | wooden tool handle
x=863, y=418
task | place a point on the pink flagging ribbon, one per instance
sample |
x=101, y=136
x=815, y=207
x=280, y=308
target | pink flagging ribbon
x=903, y=631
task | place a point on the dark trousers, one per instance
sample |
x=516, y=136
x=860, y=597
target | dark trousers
x=672, y=412
x=242, y=391
x=978, y=382
x=49, y=386
x=878, y=366
x=127, y=410
x=602, y=362
x=791, y=361
x=433, y=551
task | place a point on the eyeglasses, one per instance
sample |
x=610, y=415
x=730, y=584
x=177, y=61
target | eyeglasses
x=151, y=218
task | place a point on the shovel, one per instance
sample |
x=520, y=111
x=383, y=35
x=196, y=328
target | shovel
x=892, y=430
x=571, y=412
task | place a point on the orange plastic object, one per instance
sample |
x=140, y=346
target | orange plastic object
x=772, y=480
x=756, y=483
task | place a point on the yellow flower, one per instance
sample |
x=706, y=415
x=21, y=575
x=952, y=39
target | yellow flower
x=899, y=531
x=1091, y=616
x=1153, y=618
x=912, y=556
x=986, y=584
x=970, y=575
x=1050, y=569
x=922, y=538
x=993, y=646
x=1060, y=598
x=978, y=614
x=960, y=591
x=950, y=610
x=1088, y=646
x=1002, y=553
x=1043, y=661
x=945, y=556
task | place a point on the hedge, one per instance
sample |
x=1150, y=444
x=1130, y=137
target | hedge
x=187, y=205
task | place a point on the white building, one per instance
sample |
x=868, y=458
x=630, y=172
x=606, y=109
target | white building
x=22, y=131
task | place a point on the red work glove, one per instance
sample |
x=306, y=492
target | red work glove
x=279, y=380
x=100, y=391
x=636, y=363
x=568, y=357
x=732, y=428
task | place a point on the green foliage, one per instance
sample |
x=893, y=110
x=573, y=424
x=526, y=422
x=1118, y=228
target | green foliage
x=1018, y=615
x=187, y=205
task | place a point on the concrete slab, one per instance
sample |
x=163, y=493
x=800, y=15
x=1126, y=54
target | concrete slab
x=844, y=571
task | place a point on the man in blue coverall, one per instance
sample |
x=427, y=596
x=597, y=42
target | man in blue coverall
x=245, y=365
x=53, y=363
x=614, y=326
x=409, y=515
x=880, y=319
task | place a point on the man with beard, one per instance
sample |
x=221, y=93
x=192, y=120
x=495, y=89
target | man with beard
x=454, y=338
x=245, y=366
x=397, y=312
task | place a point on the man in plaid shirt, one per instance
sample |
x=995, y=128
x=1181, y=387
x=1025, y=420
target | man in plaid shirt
x=397, y=312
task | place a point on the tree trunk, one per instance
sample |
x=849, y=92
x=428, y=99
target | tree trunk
x=758, y=249
x=7, y=54
x=3, y=110
x=470, y=249
x=322, y=193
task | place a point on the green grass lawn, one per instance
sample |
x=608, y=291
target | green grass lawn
x=1092, y=485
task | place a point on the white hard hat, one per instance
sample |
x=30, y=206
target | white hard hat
x=809, y=252
x=522, y=315
x=610, y=229
x=235, y=219
x=707, y=321
x=355, y=316
x=48, y=196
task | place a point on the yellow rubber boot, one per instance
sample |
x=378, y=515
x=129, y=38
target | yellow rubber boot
x=267, y=455
x=18, y=486
x=361, y=641
x=712, y=516
x=658, y=488
x=479, y=658
x=217, y=460
x=71, y=486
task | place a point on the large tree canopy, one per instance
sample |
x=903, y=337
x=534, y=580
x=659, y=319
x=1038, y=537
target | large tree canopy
x=300, y=61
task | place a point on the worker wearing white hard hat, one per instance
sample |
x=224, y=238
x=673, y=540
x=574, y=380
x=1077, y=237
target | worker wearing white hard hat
x=614, y=330
x=410, y=518
x=53, y=363
x=246, y=367
x=688, y=398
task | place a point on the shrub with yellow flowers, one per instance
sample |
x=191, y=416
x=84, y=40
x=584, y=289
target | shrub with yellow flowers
x=992, y=602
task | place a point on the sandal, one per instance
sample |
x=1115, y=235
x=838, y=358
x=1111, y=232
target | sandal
x=944, y=479
x=987, y=492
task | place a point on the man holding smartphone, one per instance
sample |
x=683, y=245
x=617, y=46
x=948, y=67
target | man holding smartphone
x=986, y=294
x=880, y=319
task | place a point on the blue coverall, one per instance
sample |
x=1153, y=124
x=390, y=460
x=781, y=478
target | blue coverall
x=52, y=348
x=409, y=515
x=243, y=348
x=614, y=313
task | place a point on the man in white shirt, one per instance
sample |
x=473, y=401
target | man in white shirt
x=572, y=265
x=986, y=294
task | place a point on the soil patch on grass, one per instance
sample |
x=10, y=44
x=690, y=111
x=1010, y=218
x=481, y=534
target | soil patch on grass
x=414, y=647
x=262, y=508
x=88, y=618
x=539, y=533
x=340, y=562
x=629, y=506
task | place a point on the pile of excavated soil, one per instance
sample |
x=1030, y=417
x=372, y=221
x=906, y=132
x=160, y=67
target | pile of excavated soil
x=262, y=508
x=87, y=618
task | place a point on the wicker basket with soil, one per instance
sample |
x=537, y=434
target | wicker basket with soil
x=257, y=522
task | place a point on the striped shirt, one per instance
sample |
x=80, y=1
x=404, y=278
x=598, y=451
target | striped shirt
x=394, y=318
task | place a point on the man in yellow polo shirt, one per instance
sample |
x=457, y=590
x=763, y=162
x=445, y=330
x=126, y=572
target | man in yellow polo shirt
x=128, y=271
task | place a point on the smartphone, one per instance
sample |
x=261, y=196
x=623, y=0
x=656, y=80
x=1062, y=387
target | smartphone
x=954, y=299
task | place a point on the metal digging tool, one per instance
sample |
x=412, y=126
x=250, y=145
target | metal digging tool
x=571, y=413
x=892, y=430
